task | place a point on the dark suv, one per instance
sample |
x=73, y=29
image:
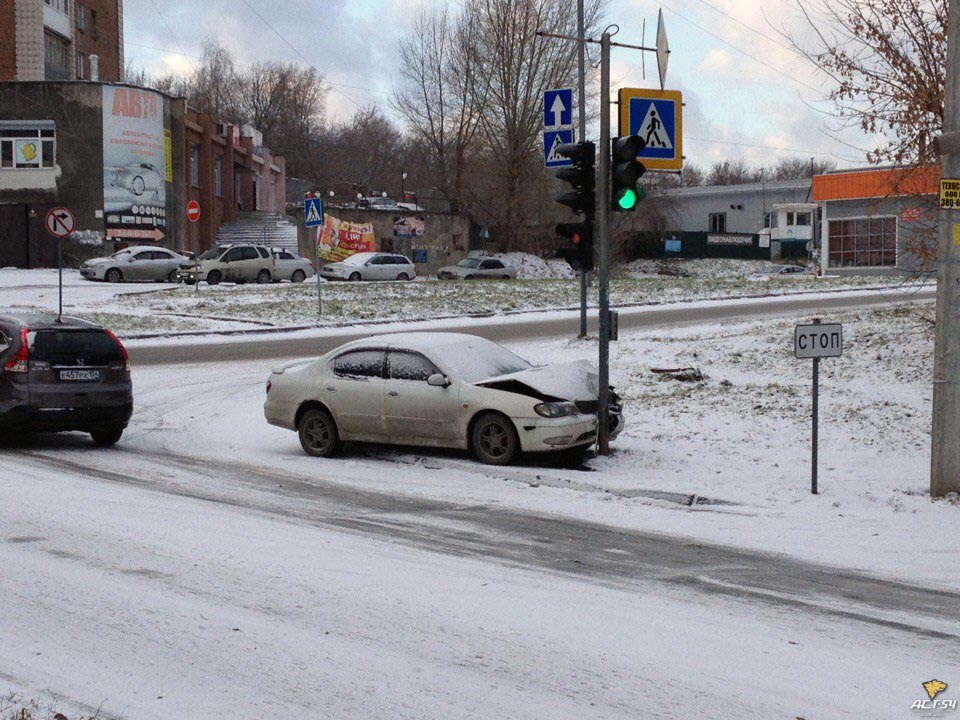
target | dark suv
x=63, y=375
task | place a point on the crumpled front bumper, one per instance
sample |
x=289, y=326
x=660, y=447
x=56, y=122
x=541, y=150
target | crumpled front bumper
x=555, y=434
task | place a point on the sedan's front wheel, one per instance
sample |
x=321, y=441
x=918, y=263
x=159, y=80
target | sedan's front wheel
x=494, y=440
x=318, y=434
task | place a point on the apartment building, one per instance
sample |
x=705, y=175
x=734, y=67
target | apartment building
x=61, y=40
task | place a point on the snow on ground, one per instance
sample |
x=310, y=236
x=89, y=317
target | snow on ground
x=531, y=267
x=137, y=604
x=741, y=435
x=149, y=309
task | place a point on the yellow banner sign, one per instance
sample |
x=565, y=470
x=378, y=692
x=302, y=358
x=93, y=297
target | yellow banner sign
x=950, y=193
x=339, y=239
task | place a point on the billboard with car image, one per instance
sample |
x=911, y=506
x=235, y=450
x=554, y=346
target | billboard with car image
x=134, y=164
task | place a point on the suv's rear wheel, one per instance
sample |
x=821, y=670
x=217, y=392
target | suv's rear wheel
x=298, y=276
x=403, y=277
x=263, y=277
x=214, y=277
x=494, y=439
x=113, y=275
x=318, y=434
x=107, y=436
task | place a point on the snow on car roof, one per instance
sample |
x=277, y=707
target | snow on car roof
x=421, y=340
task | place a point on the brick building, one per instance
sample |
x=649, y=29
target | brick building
x=230, y=173
x=61, y=40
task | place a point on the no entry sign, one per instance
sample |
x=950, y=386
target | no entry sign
x=60, y=222
x=193, y=211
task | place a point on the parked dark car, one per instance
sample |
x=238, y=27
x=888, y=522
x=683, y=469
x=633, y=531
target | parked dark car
x=63, y=375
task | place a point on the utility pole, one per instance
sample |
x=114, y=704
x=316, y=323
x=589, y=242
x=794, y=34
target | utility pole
x=945, y=461
x=603, y=234
x=582, y=107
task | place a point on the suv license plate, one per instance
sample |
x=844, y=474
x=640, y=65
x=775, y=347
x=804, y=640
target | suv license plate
x=80, y=375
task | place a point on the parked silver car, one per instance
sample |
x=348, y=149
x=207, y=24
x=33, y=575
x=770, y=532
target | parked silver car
x=370, y=266
x=471, y=268
x=231, y=263
x=288, y=266
x=135, y=264
x=138, y=178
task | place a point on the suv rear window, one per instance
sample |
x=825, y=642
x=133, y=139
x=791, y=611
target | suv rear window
x=75, y=347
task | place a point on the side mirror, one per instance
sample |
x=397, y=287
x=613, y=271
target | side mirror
x=131, y=259
x=438, y=380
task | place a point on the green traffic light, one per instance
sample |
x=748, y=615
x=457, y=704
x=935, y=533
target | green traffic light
x=628, y=199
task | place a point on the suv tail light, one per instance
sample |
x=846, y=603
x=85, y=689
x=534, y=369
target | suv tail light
x=126, y=355
x=19, y=362
x=269, y=385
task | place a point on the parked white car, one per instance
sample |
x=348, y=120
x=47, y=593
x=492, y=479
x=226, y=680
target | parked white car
x=231, y=263
x=370, y=266
x=471, y=268
x=288, y=266
x=437, y=389
x=143, y=263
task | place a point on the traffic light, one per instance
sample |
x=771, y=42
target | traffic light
x=625, y=171
x=579, y=252
x=582, y=200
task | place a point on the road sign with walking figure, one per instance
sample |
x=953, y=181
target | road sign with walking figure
x=657, y=117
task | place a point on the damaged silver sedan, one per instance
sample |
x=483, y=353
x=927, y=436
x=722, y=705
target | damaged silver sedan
x=438, y=389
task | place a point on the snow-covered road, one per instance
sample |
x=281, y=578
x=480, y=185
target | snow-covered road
x=207, y=568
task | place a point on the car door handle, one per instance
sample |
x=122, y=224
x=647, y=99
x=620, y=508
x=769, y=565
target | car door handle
x=393, y=393
x=331, y=388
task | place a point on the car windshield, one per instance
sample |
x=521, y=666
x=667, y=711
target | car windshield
x=358, y=259
x=468, y=263
x=479, y=359
x=120, y=255
x=212, y=253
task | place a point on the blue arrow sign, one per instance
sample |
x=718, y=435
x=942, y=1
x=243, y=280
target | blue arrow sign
x=558, y=108
x=313, y=212
x=551, y=139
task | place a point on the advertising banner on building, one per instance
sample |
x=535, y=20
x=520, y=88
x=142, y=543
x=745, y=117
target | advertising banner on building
x=339, y=239
x=408, y=226
x=134, y=164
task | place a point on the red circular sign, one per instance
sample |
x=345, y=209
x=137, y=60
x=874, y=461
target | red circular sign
x=60, y=222
x=193, y=211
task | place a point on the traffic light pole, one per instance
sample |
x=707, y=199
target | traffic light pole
x=603, y=235
x=582, y=110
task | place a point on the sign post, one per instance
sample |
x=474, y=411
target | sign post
x=814, y=342
x=313, y=218
x=193, y=214
x=60, y=222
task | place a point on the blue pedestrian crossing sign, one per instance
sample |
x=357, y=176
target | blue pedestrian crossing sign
x=657, y=117
x=551, y=140
x=313, y=211
x=558, y=108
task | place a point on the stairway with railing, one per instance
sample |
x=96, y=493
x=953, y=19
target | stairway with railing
x=271, y=229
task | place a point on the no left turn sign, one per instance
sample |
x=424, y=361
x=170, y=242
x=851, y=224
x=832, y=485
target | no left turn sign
x=60, y=222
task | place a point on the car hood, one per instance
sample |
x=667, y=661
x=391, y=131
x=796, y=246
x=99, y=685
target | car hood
x=455, y=269
x=576, y=380
x=97, y=261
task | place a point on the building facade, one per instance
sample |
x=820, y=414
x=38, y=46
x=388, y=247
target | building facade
x=877, y=220
x=125, y=161
x=733, y=209
x=61, y=40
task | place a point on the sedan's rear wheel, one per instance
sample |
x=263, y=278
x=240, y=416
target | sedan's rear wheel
x=298, y=276
x=113, y=275
x=318, y=434
x=494, y=440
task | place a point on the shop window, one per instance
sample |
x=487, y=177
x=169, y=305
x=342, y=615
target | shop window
x=803, y=218
x=25, y=145
x=718, y=222
x=863, y=242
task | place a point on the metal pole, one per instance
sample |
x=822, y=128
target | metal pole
x=816, y=424
x=316, y=268
x=60, y=270
x=603, y=226
x=945, y=455
x=582, y=111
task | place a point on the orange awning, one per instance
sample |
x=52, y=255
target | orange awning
x=879, y=183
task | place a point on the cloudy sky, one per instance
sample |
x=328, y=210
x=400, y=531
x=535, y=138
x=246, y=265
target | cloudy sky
x=747, y=95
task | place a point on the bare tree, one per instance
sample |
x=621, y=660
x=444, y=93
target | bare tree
x=437, y=96
x=517, y=68
x=886, y=59
x=732, y=172
x=799, y=168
